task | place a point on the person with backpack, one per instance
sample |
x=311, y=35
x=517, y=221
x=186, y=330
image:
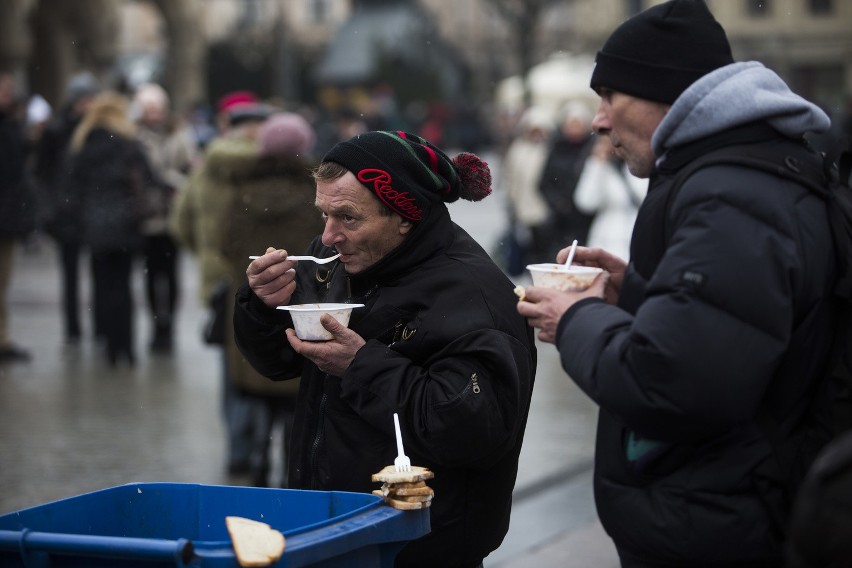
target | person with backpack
x=706, y=351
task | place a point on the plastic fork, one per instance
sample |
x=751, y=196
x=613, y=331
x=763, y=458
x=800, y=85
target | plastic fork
x=311, y=258
x=401, y=463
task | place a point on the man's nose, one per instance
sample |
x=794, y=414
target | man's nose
x=600, y=123
x=330, y=235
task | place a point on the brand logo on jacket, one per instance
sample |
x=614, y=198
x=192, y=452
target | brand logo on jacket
x=693, y=278
x=399, y=201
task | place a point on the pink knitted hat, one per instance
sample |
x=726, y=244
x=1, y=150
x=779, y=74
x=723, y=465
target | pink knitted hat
x=286, y=134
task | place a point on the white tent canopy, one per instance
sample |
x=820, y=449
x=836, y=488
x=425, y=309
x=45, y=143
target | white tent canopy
x=560, y=79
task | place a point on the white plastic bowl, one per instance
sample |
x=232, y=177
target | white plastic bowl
x=560, y=277
x=306, y=318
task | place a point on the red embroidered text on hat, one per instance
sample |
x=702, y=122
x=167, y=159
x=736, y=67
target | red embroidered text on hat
x=408, y=174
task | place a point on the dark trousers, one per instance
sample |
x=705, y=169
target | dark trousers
x=113, y=302
x=161, y=280
x=269, y=411
x=69, y=259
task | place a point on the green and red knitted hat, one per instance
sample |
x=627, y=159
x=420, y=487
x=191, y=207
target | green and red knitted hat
x=408, y=174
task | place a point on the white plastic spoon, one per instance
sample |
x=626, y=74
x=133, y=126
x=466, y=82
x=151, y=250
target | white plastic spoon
x=311, y=258
x=571, y=254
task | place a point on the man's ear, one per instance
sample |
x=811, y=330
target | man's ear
x=405, y=226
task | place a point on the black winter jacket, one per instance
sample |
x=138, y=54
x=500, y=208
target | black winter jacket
x=110, y=179
x=446, y=349
x=724, y=324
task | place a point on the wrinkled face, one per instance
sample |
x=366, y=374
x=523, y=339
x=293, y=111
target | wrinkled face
x=630, y=122
x=357, y=224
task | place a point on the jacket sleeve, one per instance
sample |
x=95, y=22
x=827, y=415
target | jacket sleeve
x=259, y=335
x=464, y=407
x=183, y=216
x=716, y=317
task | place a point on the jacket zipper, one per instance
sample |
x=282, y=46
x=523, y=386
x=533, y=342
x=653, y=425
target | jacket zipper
x=318, y=436
x=397, y=331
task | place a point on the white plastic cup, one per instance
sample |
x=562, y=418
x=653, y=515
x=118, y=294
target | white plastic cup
x=561, y=277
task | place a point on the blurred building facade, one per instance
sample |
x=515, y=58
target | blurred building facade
x=809, y=42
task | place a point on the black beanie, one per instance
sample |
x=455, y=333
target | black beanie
x=407, y=173
x=658, y=53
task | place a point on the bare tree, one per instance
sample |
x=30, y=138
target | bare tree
x=185, y=63
x=522, y=18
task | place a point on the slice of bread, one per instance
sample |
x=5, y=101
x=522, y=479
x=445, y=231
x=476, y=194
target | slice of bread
x=411, y=498
x=255, y=543
x=389, y=474
x=394, y=489
x=403, y=505
x=407, y=505
x=408, y=485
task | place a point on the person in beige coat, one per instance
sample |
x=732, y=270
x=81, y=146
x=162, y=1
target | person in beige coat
x=172, y=152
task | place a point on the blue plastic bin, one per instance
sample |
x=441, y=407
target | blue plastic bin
x=181, y=524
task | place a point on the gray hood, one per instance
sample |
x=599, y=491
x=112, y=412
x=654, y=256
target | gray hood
x=734, y=95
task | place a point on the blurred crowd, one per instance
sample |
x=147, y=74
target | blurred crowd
x=121, y=184
x=102, y=176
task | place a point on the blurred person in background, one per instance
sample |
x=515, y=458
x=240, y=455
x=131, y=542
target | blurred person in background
x=39, y=113
x=521, y=177
x=62, y=213
x=171, y=151
x=17, y=203
x=569, y=149
x=196, y=221
x=271, y=195
x=110, y=179
x=609, y=193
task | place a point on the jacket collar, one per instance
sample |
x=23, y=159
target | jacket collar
x=751, y=133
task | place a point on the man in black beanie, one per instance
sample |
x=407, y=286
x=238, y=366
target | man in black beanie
x=705, y=351
x=438, y=341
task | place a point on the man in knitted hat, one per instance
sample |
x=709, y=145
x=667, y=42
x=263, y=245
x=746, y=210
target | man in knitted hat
x=438, y=341
x=705, y=351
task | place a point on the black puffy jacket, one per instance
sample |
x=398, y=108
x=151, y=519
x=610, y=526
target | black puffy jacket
x=446, y=349
x=714, y=349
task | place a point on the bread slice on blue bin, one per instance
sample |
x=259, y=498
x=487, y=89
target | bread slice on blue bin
x=255, y=543
x=405, y=489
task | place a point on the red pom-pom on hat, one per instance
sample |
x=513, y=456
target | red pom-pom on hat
x=475, y=176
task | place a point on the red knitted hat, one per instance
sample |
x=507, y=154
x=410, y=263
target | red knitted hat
x=408, y=174
x=234, y=99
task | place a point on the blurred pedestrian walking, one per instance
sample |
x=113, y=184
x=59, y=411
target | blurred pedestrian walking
x=171, y=150
x=206, y=200
x=609, y=193
x=62, y=213
x=111, y=180
x=569, y=148
x=272, y=204
x=521, y=178
x=17, y=203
